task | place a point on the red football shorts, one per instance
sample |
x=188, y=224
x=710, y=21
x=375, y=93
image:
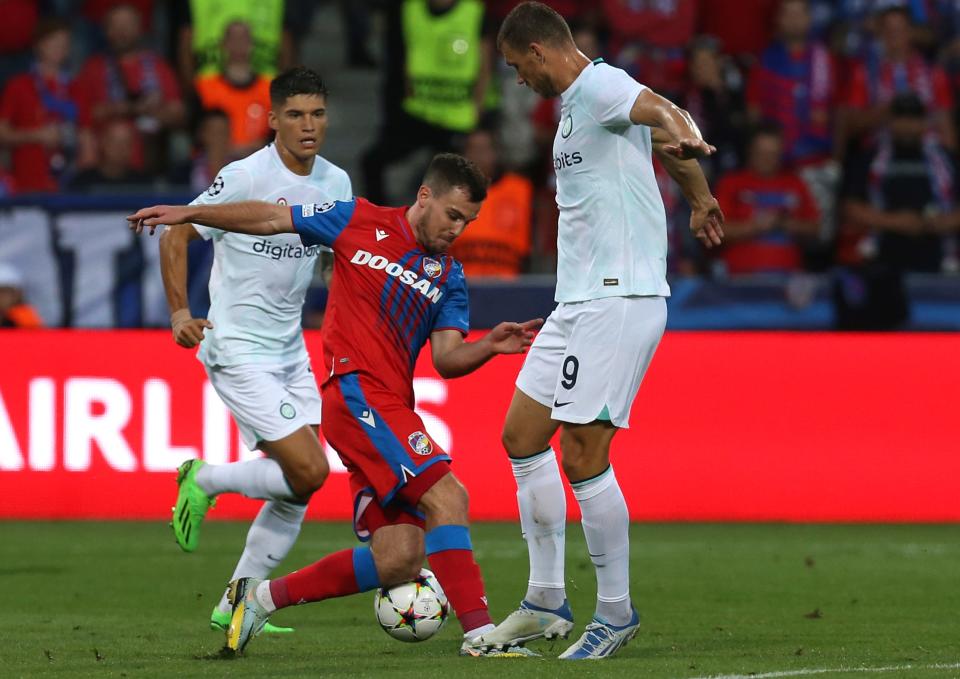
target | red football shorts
x=391, y=459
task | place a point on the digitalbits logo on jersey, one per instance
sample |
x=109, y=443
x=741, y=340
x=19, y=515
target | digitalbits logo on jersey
x=420, y=443
x=432, y=267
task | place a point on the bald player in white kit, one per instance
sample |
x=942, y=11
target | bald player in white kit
x=585, y=367
x=251, y=343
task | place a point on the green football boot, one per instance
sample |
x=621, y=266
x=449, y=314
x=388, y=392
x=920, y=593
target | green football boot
x=220, y=622
x=192, y=505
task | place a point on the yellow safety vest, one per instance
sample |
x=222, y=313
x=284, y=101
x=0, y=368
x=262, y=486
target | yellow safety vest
x=210, y=19
x=442, y=63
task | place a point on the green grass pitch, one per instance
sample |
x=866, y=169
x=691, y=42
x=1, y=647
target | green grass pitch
x=121, y=600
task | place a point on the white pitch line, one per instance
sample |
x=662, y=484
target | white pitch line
x=831, y=670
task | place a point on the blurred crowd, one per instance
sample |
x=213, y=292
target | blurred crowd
x=834, y=120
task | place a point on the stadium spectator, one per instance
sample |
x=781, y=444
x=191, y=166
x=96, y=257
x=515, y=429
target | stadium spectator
x=901, y=68
x=439, y=59
x=900, y=202
x=14, y=310
x=769, y=210
x=648, y=39
x=498, y=242
x=795, y=83
x=38, y=113
x=713, y=95
x=132, y=83
x=201, y=25
x=16, y=33
x=95, y=11
x=212, y=151
x=238, y=90
x=744, y=31
x=115, y=170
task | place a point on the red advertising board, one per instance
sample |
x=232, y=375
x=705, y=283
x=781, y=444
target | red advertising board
x=727, y=426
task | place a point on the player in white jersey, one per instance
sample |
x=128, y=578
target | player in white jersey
x=251, y=343
x=585, y=367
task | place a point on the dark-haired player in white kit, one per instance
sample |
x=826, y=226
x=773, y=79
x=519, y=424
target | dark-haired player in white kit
x=251, y=343
x=585, y=367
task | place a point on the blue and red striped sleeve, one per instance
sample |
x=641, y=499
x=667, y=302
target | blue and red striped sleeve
x=455, y=307
x=322, y=224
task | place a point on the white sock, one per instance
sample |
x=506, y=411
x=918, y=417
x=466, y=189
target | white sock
x=261, y=479
x=606, y=527
x=264, y=597
x=269, y=540
x=543, y=519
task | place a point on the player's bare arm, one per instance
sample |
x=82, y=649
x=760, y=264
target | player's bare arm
x=685, y=140
x=253, y=217
x=455, y=357
x=187, y=330
x=706, y=218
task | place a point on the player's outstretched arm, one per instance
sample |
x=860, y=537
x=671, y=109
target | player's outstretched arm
x=706, y=218
x=187, y=330
x=684, y=139
x=454, y=357
x=254, y=217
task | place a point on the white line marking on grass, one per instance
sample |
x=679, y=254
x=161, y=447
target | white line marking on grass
x=831, y=670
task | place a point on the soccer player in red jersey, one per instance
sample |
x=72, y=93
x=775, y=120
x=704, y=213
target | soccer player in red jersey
x=393, y=287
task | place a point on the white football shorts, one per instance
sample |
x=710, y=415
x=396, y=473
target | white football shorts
x=589, y=358
x=268, y=402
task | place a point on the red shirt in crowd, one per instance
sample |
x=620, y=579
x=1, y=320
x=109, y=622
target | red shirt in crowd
x=745, y=196
x=743, y=27
x=648, y=38
x=22, y=107
x=139, y=73
x=873, y=85
x=19, y=22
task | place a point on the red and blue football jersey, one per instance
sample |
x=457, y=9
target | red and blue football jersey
x=387, y=294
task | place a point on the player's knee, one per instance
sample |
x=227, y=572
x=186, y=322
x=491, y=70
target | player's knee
x=447, y=501
x=308, y=476
x=398, y=562
x=512, y=439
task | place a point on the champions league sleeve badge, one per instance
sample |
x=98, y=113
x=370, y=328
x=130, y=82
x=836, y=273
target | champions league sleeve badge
x=216, y=187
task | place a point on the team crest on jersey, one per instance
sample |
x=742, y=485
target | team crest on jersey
x=432, y=267
x=216, y=187
x=420, y=443
x=281, y=201
x=567, y=126
x=287, y=411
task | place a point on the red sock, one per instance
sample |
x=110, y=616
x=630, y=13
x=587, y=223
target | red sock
x=330, y=577
x=459, y=575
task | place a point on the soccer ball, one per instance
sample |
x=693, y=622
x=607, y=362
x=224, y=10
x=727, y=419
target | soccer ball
x=413, y=611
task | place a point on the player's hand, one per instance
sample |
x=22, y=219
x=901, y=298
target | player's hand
x=706, y=223
x=513, y=338
x=188, y=331
x=685, y=149
x=152, y=217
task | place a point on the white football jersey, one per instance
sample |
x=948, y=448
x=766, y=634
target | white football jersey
x=258, y=284
x=612, y=233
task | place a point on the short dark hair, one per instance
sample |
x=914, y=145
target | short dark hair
x=47, y=27
x=533, y=22
x=902, y=10
x=449, y=170
x=766, y=128
x=294, y=81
